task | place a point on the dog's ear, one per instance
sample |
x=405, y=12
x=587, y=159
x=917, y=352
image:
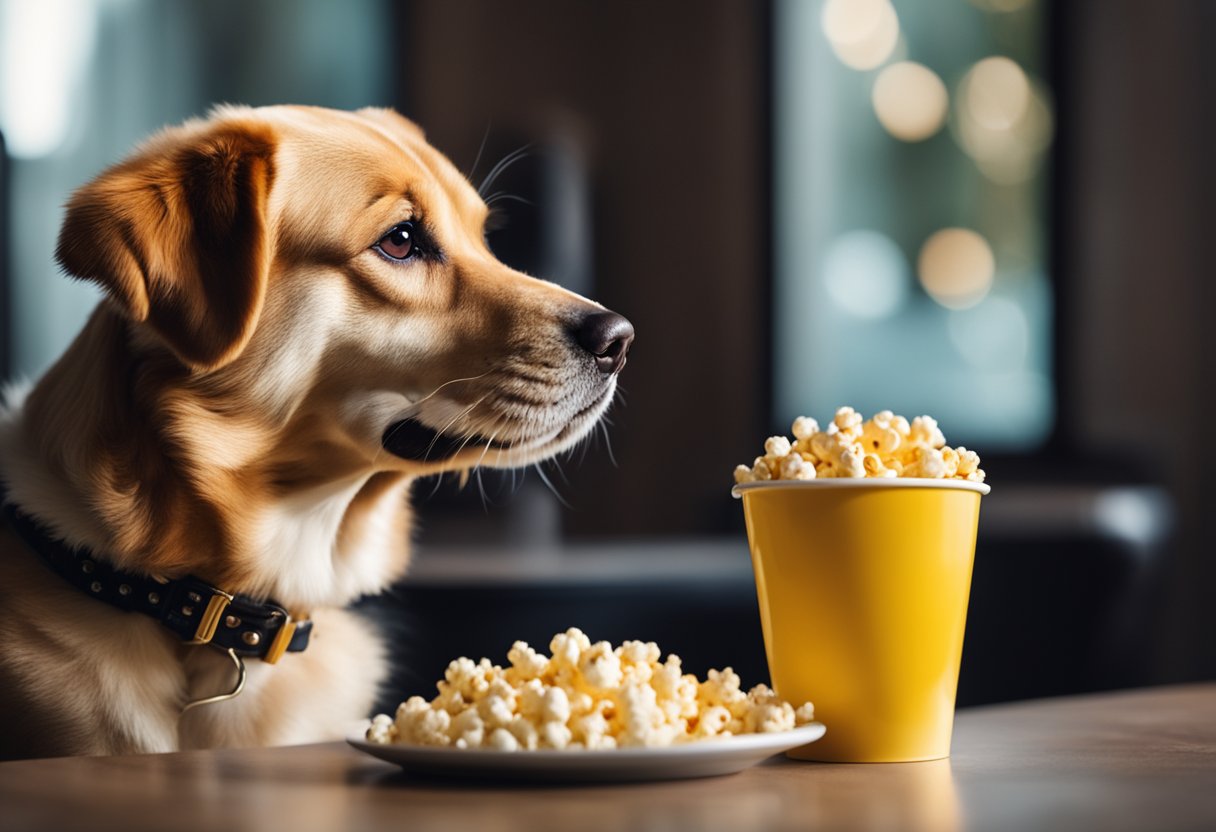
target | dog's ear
x=177, y=236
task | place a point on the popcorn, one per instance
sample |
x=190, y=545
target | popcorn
x=760, y=470
x=875, y=467
x=794, y=467
x=500, y=740
x=467, y=728
x=804, y=427
x=879, y=437
x=591, y=731
x=927, y=463
x=713, y=721
x=555, y=735
x=429, y=726
x=969, y=465
x=887, y=445
x=495, y=712
x=804, y=713
x=526, y=663
x=848, y=421
x=600, y=666
x=777, y=446
x=382, y=729
x=556, y=706
x=587, y=696
x=849, y=463
x=638, y=660
x=924, y=431
x=721, y=687
x=525, y=733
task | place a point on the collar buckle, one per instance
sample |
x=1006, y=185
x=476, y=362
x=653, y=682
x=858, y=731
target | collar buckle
x=281, y=640
x=210, y=618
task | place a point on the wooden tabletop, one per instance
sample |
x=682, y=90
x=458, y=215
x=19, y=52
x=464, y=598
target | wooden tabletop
x=1132, y=760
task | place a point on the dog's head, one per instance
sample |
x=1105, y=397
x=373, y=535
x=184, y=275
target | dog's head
x=327, y=272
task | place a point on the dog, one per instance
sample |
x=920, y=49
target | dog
x=301, y=318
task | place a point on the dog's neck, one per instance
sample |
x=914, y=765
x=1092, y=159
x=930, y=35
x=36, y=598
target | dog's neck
x=114, y=452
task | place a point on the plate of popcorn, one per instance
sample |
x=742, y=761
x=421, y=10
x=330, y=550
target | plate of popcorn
x=588, y=712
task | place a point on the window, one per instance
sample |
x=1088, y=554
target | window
x=911, y=140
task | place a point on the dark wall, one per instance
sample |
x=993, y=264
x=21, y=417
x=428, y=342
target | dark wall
x=1135, y=259
x=671, y=99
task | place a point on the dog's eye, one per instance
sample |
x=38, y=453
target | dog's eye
x=399, y=243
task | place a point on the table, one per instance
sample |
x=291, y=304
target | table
x=1132, y=760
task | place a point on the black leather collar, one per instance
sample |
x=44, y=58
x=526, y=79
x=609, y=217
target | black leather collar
x=194, y=610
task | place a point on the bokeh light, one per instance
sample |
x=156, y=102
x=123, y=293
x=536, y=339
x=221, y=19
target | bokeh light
x=1002, y=120
x=45, y=48
x=997, y=92
x=910, y=100
x=866, y=274
x=862, y=33
x=956, y=267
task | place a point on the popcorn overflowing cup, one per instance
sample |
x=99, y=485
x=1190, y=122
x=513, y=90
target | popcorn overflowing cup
x=863, y=585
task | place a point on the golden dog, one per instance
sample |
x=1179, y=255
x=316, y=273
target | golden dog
x=302, y=317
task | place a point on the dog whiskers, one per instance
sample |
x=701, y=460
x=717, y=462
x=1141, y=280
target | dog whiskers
x=435, y=487
x=504, y=163
x=496, y=426
x=550, y=485
x=480, y=149
x=481, y=486
x=603, y=424
x=426, y=457
x=557, y=466
x=448, y=383
x=470, y=435
x=498, y=196
x=481, y=489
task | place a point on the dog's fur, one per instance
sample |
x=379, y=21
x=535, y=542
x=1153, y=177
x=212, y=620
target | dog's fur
x=222, y=412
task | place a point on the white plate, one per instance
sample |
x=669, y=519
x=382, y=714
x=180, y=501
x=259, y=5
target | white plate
x=702, y=758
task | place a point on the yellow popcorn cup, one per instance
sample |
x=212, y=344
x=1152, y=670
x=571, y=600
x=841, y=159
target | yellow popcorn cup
x=863, y=587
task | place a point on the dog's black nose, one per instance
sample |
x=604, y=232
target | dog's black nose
x=607, y=336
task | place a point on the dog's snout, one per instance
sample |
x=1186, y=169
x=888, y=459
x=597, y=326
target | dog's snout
x=607, y=336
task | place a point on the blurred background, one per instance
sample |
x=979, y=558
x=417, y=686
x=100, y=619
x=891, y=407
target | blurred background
x=991, y=211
